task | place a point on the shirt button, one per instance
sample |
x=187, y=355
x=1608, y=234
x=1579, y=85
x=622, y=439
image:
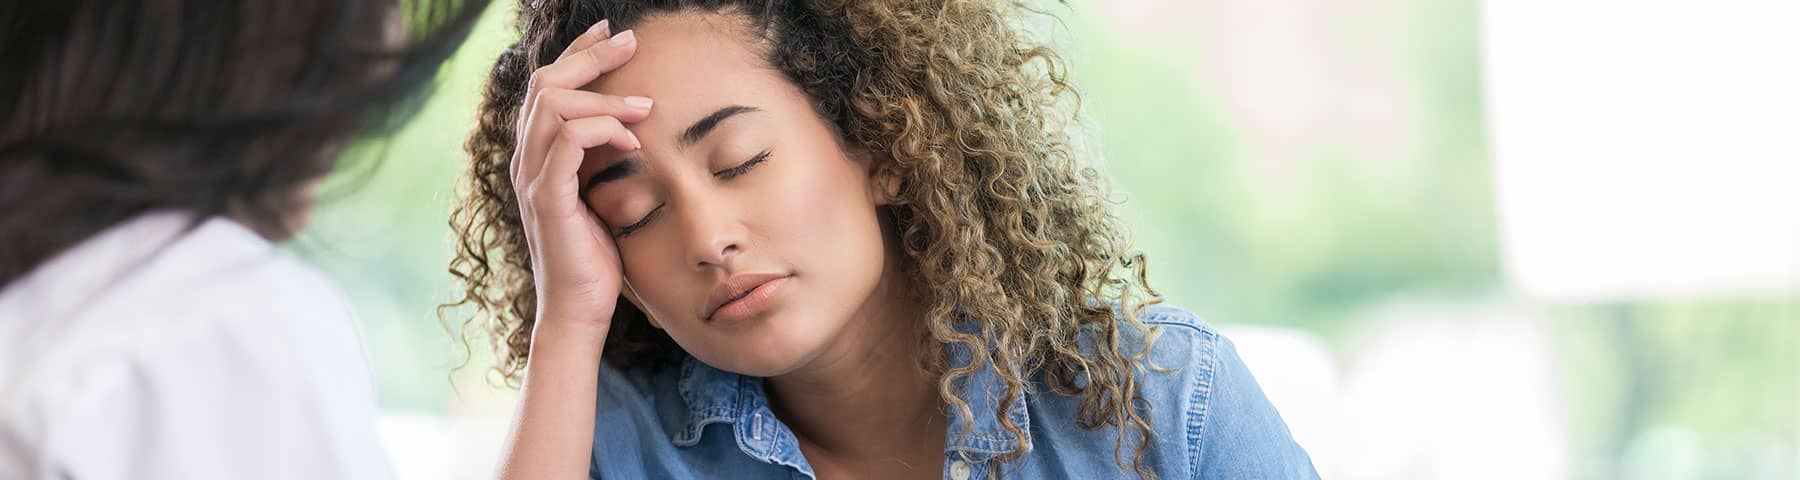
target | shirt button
x=959, y=470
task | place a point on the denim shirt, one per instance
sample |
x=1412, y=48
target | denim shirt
x=1210, y=420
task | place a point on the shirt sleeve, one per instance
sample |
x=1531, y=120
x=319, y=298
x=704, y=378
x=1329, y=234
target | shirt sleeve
x=283, y=396
x=1242, y=435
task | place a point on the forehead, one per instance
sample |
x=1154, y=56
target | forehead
x=692, y=64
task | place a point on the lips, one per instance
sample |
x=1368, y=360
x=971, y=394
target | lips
x=737, y=287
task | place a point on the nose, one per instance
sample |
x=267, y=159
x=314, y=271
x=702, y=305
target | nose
x=714, y=234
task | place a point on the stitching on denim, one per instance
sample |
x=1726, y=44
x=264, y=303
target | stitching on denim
x=1200, y=405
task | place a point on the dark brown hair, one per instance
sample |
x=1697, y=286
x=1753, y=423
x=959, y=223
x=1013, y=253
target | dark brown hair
x=114, y=108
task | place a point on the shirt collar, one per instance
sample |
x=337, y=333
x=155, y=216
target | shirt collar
x=718, y=396
x=712, y=396
x=64, y=284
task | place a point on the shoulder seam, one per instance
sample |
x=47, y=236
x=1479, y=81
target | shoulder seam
x=1160, y=315
x=1205, y=346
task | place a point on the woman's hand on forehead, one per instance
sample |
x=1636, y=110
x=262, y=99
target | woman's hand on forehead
x=575, y=265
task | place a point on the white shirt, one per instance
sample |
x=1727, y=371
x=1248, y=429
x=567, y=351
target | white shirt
x=151, y=352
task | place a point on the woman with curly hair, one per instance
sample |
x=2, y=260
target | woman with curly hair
x=824, y=239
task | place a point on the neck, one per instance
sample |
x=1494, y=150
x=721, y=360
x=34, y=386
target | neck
x=867, y=396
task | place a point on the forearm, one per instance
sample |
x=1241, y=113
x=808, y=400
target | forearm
x=553, y=432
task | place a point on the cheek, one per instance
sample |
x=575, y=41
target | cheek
x=657, y=292
x=819, y=209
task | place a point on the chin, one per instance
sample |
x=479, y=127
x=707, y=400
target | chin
x=763, y=367
x=755, y=362
x=778, y=346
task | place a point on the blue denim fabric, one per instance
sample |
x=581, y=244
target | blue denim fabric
x=1210, y=418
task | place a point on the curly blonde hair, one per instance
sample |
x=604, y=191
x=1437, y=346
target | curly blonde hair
x=1001, y=224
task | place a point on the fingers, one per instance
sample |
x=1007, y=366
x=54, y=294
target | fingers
x=581, y=67
x=594, y=34
x=552, y=109
x=598, y=31
x=552, y=98
x=556, y=187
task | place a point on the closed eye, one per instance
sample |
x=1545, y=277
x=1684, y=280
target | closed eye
x=725, y=174
x=626, y=230
x=732, y=172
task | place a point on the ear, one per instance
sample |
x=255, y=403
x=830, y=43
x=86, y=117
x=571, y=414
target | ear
x=632, y=296
x=886, y=183
x=884, y=177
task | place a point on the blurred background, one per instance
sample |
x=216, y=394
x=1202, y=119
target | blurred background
x=1518, y=239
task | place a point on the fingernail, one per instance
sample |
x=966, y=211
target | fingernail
x=640, y=103
x=599, y=29
x=622, y=38
x=635, y=143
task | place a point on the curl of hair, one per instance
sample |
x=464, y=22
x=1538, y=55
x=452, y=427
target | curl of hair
x=1001, y=223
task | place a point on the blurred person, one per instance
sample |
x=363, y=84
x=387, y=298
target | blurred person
x=152, y=153
x=824, y=239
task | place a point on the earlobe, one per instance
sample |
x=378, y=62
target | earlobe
x=883, y=176
x=884, y=182
x=888, y=188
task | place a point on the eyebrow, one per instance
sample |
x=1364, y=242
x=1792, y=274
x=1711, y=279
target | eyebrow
x=629, y=166
x=623, y=168
x=699, y=129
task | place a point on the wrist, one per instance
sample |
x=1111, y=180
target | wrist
x=579, y=327
x=553, y=326
x=575, y=317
